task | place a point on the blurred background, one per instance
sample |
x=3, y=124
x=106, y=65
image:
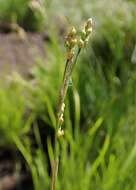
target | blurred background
x=98, y=150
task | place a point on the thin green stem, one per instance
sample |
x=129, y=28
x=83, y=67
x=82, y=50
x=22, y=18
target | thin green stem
x=66, y=77
x=75, y=61
x=70, y=64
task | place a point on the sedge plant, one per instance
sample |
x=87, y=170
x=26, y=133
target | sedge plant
x=74, y=44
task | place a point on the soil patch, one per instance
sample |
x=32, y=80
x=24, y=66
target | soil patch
x=19, y=53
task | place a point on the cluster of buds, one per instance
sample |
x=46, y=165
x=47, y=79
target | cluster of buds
x=85, y=34
x=71, y=42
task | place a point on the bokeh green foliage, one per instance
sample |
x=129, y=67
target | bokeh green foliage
x=21, y=12
x=98, y=150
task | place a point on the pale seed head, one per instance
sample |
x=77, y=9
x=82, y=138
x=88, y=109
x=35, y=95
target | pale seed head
x=89, y=22
x=73, y=42
x=80, y=43
x=73, y=31
x=62, y=108
x=88, y=31
x=63, y=105
x=67, y=43
x=60, y=133
x=83, y=34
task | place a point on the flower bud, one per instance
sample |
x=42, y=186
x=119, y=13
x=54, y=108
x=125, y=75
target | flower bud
x=73, y=42
x=60, y=133
x=83, y=34
x=89, y=23
x=61, y=120
x=81, y=43
x=67, y=43
x=72, y=31
x=62, y=108
x=88, y=31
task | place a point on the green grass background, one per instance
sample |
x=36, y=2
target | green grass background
x=98, y=150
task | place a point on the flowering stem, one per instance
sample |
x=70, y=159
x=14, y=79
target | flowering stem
x=71, y=42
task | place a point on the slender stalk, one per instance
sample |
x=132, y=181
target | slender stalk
x=66, y=77
x=62, y=94
x=71, y=42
